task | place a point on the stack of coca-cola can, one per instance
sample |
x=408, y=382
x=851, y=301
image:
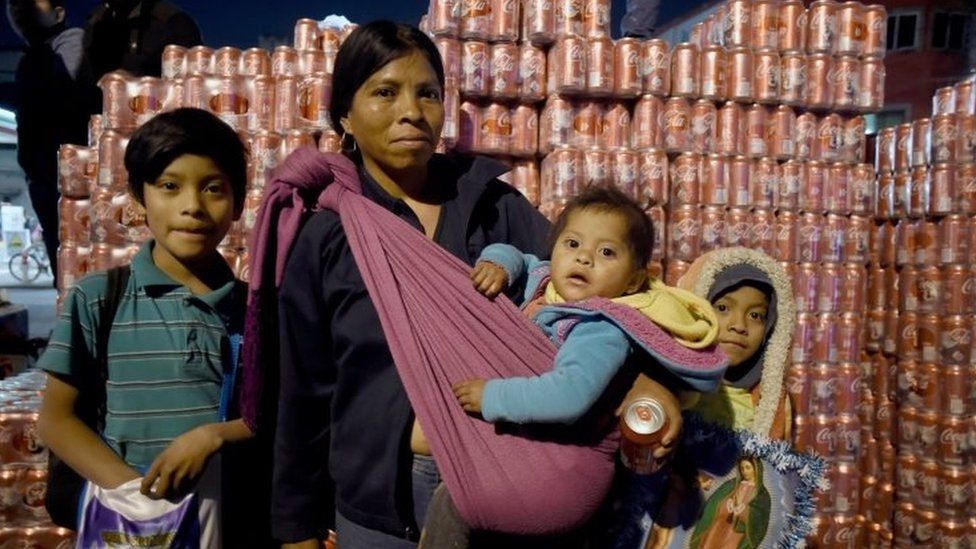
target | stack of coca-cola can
x=922, y=306
x=23, y=467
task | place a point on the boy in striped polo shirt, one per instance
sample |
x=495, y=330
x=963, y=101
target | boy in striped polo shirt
x=169, y=343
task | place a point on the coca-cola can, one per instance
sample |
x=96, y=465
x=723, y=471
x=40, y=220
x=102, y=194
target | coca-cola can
x=829, y=140
x=713, y=73
x=625, y=167
x=965, y=142
x=659, y=224
x=713, y=228
x=174, y=62
x=587, y=125
x=793, y=78
x=900, y=187
x=596, y=167
x=676, y=125
x=844, y=480
x=805, y=136
x=652, y=180
x=944, y=101
x=704, y=130
x=958, y=289
x=861, y=189
x=450, y=50
x=955, y=344
x=872, y=84
x=764, y=24
x=504, y=20
x=685, y=182
x=738, y=228
x=857, y=240
x=921, y=142
x=496, y=129
x=836, y=189
x=227, y=61
x=444, y=18
x=569, y=17
x=599, y=63
x=755, y=131
x=819, y=91
x=656, y=67
x=792, y=179
x=730, y=126
x=763, y=182
x=675, y=270
x=306, y=35
x=918, y=192
x=766, y=77
x=627, y=77
x=821, y=33
x=884, y=155
x=284, y=62
x=811, y=198
x=469, y=128
x=738, y=29
x=784, y=248
x=739, y=171
x=503, y=74
x=824, y=440
x=531, y=73
x=565, y=166
x=525, y=178
x=617, y=127
x=809, y=233
x=475, y=68
x=556, y=125
x=965, y=183
x=596, y=18
x=539, y=21
x=525, y=131
x=875, y=24
x=684, y=242
x=740, y=74
x=798, y=387
x=903, y=148
x=761, y=234
x=116, y=112
x=646, y=124
x=714, y=180
x=476, y=19
x=685, y=70
x=566, y=66
x=804, y=336
x=780, y=132
x=965, y=96
x=851, y=29
x=792, y=21
x=943, y=138
x=286, y=103
x=199, y=60
x=885, y=208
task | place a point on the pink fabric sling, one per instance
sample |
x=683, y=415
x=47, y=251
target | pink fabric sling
x=440, y=331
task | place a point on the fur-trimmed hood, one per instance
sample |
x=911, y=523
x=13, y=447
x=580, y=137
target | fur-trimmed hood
x=702, y=276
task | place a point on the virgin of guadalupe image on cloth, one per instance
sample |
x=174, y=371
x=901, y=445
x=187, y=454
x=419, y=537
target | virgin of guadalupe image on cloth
x=736, y=514
x=735, y=490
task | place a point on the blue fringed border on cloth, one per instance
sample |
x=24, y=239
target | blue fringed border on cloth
x=810, y=468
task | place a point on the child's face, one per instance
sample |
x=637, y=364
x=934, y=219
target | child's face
x=189, y=209
x=741, y=323
x=591, y=257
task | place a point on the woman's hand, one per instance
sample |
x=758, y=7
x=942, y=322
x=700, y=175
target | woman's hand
x=468, y=394
x=177, y=469
x=489, y=279
x=644, y=386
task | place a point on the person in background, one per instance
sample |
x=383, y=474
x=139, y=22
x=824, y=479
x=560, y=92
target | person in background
x=55, y=96
x=640, y=19
x=130, y=35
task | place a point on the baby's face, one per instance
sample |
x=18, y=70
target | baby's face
x=591, y=257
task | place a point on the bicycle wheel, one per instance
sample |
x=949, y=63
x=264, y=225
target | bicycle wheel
x=24, y=267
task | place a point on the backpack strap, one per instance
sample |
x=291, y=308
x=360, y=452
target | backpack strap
x=117, y=278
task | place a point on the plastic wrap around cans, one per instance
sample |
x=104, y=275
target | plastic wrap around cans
x=656, y=67
x=627, y=77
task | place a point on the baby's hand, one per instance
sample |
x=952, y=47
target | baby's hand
x=644, y=385
x=468, y=394
x=488, y=278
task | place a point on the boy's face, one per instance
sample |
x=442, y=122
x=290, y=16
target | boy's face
x=189, y=209
x=591, y=257
x=741, y=323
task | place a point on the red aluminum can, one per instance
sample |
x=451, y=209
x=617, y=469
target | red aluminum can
x=831, y=287
x=806, y=285
x=730, y=126
x=714, y=180
x=927, y=245
x=830, y=138
x=824, y=439
x=965, y=183
x=525, y=131
x=762, y=235
x=904, y=146
x=884, y=155
x=851, y=29
x=958, y=288
x=944, y=101
x=567, y=66
x=503, y=73
x=791, y=181
x=921, y=142
x=199, y=60
x=469, y=127
x=806, y=135
x=885, y=238
x=766, y=78
x=599, y=64
x=261, y=99
x=812, y=196
x=685, y=182
x=738, y=228
x=116, y=112
x=567, y=174
x=450, y=50
x=704, y=130
x=886, y=196
x=803, y=340
x=587, y=125
x=955, y=343
x=765, y=25
x=525, y=178
x=952, y=531
x=875, y=24
x=903, y=522
x=798, y=386
x=713, y=228
x=857, y=240
x=844, y=490
x=763, y=182
x=854, y=141
x=656, y=67
x=505, y=20
x=284, y=61
x=836, y=187
x=793, y=78
x=713, y=73
x=307, y=35
x=596, y=167
x=780, y=130
x=918, y=191
x=625, y=166
x=174, y=62
x=531, y=73
x=652, y=180
x=476, y=18
x=685, y=70
x=739, y=173
x=444, y=17
x=658, y=222
x=784, y=247
x=111, y=155
x=556, y=124
x=755, y=126
x=860, y=193
x=809, y=233
x=872, y=84
x=737, y=25
x=496, y=129
x=965, y=142
x=966, y=96
x=943, y=138
x=627, y=77
x=929, y=335
x=926, y=493
x=819, y=84
x=286, y=103
x=617, y=127
x=646, y=123
x=953, y=440
x=475, y=68
x=792, y=21
x=684, y=242
x=676, y=125
x=740, y=74
x=821, y=33
x=539, y=22
x=569, y=17
x=227, y=61
x=75, y=221
x=596, y=18
x=902, y=182
x=826, y=343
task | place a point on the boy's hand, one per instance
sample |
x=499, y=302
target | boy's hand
x=468, y=394
x=177, y=469
x=488, y=278
x=645, y=386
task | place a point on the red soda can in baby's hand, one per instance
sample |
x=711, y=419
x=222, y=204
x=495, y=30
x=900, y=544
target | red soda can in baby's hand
x=642, y=427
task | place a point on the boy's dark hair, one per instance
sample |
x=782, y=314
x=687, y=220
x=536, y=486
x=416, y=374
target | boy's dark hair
x=157, y=143
x=640, y=231
x=367, y=50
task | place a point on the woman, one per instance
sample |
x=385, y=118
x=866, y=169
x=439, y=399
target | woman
x=347, y=442
x=737, y=514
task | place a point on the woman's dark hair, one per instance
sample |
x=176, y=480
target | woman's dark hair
x=170, y=135
x=640, y=231
x=367, y=50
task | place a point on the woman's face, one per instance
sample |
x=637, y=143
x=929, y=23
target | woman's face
x=747, y=470
x=741, y=323
x=396, y=115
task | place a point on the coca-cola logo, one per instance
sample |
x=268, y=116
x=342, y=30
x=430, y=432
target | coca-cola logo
x=655, y=61
x=502, y=63
x=957, y=441
x=509, y=6
x=943, y=134
x=476, y=8
x=674, y=119
x=652, y=169
x=686, y=228
x=845, y=534
x=684, y=174
x=825, y=436
x=632, y=59
x=569, y=10
x=531, y=64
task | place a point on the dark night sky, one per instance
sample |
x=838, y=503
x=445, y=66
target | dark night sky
x=240, y=22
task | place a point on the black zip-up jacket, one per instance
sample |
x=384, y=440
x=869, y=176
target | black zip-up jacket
x=344, y=421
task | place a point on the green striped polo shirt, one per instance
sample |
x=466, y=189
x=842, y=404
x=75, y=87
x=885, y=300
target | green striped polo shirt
x=165, y=354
